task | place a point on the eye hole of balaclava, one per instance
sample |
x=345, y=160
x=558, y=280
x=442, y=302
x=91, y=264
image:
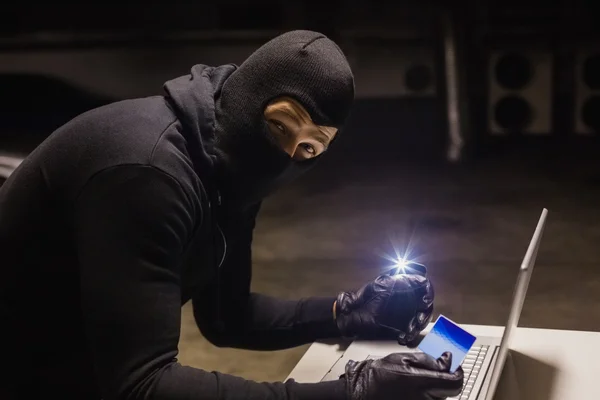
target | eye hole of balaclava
x=291, y=127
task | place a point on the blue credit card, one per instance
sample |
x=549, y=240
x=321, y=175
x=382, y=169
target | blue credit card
x=447, y=336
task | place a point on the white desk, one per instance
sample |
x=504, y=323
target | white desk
x=549, y=364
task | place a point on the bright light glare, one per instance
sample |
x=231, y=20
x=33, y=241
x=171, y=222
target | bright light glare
x=402, y=257
x=401, y=264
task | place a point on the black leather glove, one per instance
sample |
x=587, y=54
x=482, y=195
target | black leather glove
x=391, y=306
x=406, y=376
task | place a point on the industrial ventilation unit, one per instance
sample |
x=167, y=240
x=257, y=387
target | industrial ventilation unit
x=393, y=70
x=587, y=92
x=520, y=92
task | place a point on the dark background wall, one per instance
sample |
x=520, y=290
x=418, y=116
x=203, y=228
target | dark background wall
x=99, y=53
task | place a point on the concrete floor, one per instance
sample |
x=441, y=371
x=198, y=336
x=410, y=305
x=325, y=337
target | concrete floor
x=470, y=225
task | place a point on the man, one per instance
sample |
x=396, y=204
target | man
x=131, y=210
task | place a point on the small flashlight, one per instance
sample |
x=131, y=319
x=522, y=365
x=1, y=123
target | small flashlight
x=404, y=267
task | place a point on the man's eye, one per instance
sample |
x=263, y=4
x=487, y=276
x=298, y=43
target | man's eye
x=309, y=149
x=279, y=126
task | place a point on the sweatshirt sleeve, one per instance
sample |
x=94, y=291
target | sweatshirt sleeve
x=243, y=319
x=131, y=225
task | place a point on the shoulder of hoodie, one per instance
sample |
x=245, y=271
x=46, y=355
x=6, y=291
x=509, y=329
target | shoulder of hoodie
x=143, y=131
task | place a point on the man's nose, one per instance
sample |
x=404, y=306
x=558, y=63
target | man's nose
x=290, y=146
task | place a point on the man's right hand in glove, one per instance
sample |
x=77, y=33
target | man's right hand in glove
x=406, y=376
x=391, y=306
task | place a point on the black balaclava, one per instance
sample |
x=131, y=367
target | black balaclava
x=303, y=65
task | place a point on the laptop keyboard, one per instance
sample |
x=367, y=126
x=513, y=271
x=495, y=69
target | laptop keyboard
x=471, y=367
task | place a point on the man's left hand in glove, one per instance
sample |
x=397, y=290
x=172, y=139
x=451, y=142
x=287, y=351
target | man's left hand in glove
x=391, y=307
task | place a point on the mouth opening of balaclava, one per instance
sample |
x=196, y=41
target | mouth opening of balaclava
x=303, y=65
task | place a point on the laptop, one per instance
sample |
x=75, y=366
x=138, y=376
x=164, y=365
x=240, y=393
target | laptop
x=485, y=361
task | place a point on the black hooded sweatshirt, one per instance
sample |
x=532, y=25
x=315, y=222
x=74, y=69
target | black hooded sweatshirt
x=131, y=210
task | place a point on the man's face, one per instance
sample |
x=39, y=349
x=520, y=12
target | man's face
x=295, y=132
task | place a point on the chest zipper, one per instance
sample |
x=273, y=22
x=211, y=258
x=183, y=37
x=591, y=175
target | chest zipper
x=219, y=322
x=221, y=233
x=224, y=246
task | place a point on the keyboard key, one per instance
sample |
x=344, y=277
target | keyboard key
x=471, y=366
